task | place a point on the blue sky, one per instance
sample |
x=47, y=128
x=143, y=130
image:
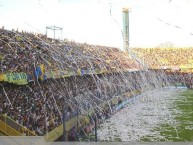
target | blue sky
x=151, y=21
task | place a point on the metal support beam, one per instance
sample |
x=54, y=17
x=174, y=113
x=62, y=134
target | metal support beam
x=95, y=127
x=54, y=28
x=64, y=123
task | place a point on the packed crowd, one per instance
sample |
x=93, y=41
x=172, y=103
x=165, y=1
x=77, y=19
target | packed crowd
x=168, y=78
x=82, y=130
x=166, y=57
x=184, y=78
x=23, y=52
x=39, y=107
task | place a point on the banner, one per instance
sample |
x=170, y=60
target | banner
x=182, y=66
x=67, y=74
x=49, y=74
x=42, y=76
x=79, y=72
x=37, y=72
x=2, y=76
x=16, y=78
x=56, y=74
x=87, y=72
x=103, y=70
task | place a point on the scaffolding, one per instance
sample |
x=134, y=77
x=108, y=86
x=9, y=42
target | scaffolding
x=54, y=28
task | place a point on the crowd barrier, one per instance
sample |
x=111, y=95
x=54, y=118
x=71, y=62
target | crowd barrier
x=83, y=119
x=10, y=127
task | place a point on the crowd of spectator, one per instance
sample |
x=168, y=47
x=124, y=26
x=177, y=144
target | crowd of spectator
x=185, y=79
x=39, y=105
x=23, y=52
x=166, y=57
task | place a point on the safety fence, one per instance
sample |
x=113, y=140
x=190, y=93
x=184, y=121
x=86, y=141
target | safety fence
x=12, y=128
x=84, y=119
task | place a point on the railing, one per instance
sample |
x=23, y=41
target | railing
x=58, y=131
x=12, y=128
x=7, y=121
x=6, y=129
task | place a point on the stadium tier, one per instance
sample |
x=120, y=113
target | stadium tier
x=167, y=58
x=27, y=57
x=41, y=77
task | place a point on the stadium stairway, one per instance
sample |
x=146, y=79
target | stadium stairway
x=9, y=127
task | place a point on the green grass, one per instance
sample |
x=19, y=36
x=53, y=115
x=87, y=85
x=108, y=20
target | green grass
x=182, y=129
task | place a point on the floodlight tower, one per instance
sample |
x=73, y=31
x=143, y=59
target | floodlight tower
x=125, y=28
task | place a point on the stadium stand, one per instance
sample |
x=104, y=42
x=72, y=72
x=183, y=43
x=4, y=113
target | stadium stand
x=163, y=58
x=40, y=76
x=39, y=73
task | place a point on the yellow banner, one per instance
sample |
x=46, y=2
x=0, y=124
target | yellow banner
x=16, y=78
x=49, y=74
x=183, y=66
x=66, y=74
x=2, y=77
x=42, y=67
x=79, y=72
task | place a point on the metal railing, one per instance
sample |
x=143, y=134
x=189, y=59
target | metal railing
x=70, y=123
x=14, y=125
x=7, y=130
